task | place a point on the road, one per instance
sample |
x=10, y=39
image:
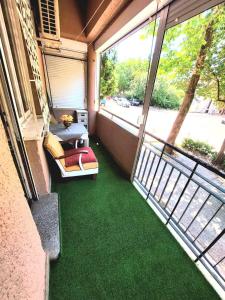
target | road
x=198, y=126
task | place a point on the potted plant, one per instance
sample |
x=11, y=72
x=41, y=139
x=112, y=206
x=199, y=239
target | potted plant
x=67, y=120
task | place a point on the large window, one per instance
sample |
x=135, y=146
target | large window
x=124, y=71
x=187, y=104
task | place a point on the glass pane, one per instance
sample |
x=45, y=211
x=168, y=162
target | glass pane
x=124, y=71
x=191, y=71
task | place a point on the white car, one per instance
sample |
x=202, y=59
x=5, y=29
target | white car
x=123, y=102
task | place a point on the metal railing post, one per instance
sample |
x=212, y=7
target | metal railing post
x=182, y=193
x=211, y=245
x=156, y=170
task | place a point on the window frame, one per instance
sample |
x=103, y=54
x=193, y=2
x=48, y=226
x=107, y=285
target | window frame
x=11, y=32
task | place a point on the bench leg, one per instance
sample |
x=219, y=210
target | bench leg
x=94, y=176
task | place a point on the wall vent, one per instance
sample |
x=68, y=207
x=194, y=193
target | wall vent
x=49, y=15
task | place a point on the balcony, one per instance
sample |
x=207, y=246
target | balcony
x=120, y=234
x=115, y=247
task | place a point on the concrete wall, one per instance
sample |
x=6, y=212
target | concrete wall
x=22, y=259
x=119, y=142
x=39, y=166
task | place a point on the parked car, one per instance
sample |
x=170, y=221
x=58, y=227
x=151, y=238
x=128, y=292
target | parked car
x=115, y=98
x=103, y=102
x=123, y=102
x=135, y=102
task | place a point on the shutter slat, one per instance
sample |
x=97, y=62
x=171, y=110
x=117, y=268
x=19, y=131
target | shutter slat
x=181, y=11
x=177, y=9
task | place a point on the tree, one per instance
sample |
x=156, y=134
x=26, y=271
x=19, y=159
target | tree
x=220, y=158
x=181, y=49
x=138, y=85
x=212, y=82
x=107, y=73
x=192, y=84
x=131, y=76
x=208, y=76
x=164, y=97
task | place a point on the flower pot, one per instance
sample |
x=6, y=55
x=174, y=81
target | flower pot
x=67, y=123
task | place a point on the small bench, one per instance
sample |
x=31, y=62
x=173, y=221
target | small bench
x=73, y=162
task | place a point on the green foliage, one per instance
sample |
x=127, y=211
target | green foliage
x=107, y=73
x=179, y=52
x=181, y=47
x=202, y=148
x=150, y=30
x=131, y=78
x=164, y=97
x=198, y=146
x=212, y=83
x=138, y=85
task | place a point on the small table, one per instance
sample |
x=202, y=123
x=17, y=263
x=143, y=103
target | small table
x=76, y=130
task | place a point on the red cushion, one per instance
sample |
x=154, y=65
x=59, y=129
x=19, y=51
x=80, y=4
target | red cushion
x=73, y=159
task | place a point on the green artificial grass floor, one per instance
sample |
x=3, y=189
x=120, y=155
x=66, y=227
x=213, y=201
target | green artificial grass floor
x=115, y=247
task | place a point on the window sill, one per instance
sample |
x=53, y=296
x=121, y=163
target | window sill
x=33, y=129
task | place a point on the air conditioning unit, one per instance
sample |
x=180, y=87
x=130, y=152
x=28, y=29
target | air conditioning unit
x=49, y=16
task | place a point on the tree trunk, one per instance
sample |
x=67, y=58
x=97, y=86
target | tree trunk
x=192, y=84
x=220, y=156
x=208, y=107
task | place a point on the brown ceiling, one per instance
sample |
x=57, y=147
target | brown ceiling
x=75, y=14
x=83, y=4
x=101, y=14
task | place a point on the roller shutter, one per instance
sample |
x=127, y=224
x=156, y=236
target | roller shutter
x=66, y=77
x=181, y=10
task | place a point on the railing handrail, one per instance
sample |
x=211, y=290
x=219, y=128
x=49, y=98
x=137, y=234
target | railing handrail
x=171, y=163
x=192, y=157
x=215, y=185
